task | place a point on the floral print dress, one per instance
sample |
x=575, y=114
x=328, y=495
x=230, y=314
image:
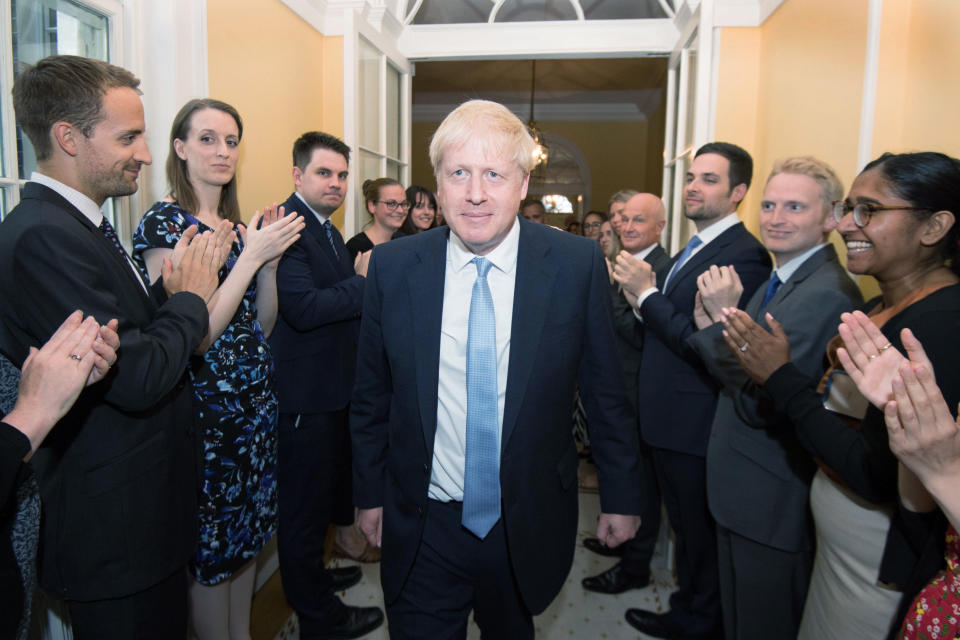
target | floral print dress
x=935, y=613
x=235, y=412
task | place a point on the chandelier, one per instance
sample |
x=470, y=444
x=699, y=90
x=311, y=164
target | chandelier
x=541, y=152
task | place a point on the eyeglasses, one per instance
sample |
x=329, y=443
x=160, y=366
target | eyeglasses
x=592, y=225
x=392, y=205
x=863, y=212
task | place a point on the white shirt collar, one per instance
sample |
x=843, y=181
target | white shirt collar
x=784, y=272
x=718, y=227
x=503, y=257
x=319, y=216
x=87, y=207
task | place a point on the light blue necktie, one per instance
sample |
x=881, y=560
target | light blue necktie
x=692, y=244
x=481, y=481
x=772, y=287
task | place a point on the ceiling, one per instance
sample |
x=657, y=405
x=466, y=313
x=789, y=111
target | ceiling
x=577, y=89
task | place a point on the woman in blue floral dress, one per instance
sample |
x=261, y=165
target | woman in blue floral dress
x=234, y=399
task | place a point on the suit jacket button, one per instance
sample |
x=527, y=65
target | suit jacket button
x=426, y=468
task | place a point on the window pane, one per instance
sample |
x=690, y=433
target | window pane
x=4, y=199
x=44, y=28
x=369, y=170
x=393, y=112
x=369, y=96
x=3, y=149
x=395, y=171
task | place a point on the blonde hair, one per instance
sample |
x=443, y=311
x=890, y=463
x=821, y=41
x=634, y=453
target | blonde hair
x=831, y=189
x=492, y=125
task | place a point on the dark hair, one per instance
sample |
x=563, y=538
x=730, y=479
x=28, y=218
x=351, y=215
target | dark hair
x=305, y=144
x=601, y=214
x=930, y=181
x=529, y=201
x=177, y=175
x=416, y=193
x=741, y=164
x=68, y=89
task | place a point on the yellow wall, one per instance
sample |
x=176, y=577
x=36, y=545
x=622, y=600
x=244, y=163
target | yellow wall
x=919, y=86
x=794, y=86
x=284, y=78
x=620, y=155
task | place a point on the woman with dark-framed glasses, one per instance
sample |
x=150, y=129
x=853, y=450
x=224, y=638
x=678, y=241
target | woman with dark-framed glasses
x=388, y=207
x=874, y=551
x=592, y=223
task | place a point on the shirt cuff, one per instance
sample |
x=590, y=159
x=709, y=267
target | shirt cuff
x=643, y=296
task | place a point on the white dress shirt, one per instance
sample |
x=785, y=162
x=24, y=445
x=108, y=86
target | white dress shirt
x=318, y=216
x=450, y=444
x=790, y=267
x=86, y=206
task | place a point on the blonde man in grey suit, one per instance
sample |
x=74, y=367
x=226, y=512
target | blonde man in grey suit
x=758, y=476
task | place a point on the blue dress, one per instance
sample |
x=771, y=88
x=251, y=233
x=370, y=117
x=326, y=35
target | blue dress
x=235, y=409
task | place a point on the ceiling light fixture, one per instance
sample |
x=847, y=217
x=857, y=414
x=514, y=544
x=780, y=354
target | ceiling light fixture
x=541, y=152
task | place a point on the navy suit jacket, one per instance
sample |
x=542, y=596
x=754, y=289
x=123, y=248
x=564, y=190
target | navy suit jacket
x=117, y=474
x=677, y=396
x=314, y=342
x=562, y=335
x=758, y=475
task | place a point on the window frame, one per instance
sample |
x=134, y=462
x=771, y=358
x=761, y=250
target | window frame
x=118, y=209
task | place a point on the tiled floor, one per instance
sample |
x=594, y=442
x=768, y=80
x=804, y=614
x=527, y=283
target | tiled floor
x=575, y=613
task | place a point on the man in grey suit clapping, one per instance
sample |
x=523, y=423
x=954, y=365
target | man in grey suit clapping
x=758, y=476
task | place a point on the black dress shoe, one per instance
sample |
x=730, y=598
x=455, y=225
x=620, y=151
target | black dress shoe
x=359, y=622
x=615, y=580
x=594, y=544
x=345, y=577
x=653, y=624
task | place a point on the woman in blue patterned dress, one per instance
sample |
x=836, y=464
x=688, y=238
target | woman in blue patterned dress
x=232, y=374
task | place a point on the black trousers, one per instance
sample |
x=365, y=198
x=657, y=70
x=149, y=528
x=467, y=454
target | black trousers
x=695, y=605
x=638, y=551
x=157, y=613
x=455, y=572
x=315, y=487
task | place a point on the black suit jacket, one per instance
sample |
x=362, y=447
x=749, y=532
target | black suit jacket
x=629, y=331
x=561, y=336
x=315, y=339
x=758, y=475
x=677, y=396
x=118, y=474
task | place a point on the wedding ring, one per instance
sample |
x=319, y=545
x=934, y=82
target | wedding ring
x=75, y=356
x=885, y=347
x=743, y=348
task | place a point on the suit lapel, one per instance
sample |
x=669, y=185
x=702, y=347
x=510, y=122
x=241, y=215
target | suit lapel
x=316, y=231
x=42, y=192
x=425, y=281
x=810, y=266
x=535, y=276
x=695, y=265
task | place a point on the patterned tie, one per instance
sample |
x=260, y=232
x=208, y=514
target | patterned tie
x=107, y=229
x=328, y=227
x=692, y=244
x=772, y=287
x=481, y=481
